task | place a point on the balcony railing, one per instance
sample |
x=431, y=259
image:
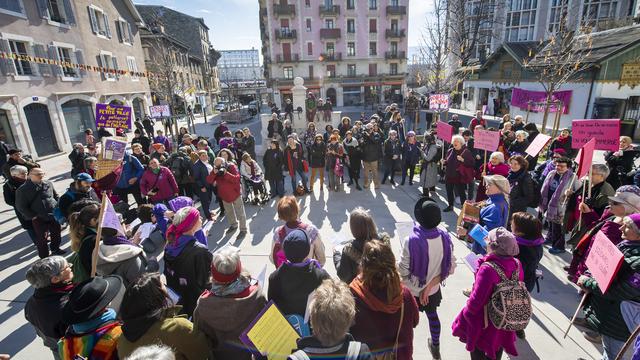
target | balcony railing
x=329, y=33
x=395, y=55
x=286, y=34
x=395, y=33
x=332, y=10
x=284, y=10
x=334, y=56
x=396, y=10
x=280, y=58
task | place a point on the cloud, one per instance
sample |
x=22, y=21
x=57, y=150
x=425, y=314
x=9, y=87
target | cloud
x=205, y=11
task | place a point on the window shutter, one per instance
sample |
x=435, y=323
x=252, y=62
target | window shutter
x=38, y=50
x=68, y=11
x=43, y=9
x=107, y=28
x=103, y=75
x=6, y=65
x=53, y=55
x=130, y=33
x=94, y=21
x=115, y=66
x=119, y=31
x=80, y=60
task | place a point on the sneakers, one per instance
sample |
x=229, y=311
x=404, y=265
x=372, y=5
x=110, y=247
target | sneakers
x=466, y=292
x=434, y=350
x=555, y=251
x=392, y=183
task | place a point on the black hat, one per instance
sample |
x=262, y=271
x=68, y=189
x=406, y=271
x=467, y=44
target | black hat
x=296, y=246
x=90, y=297
x=14, y=151
x=427, y=213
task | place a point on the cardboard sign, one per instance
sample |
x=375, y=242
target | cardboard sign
x=113, y=116
x=605, y=131
x=271, y=334
x=604, y=260
x=585, y=158
x=444, y=131
x=486, y=140
x=470, y=213
x=158, y=111
x=439, y=102
x=114, y=149
x=538, y=144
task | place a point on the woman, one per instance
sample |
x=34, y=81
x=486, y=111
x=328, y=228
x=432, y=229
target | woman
x=274, y=128
x=353, y=159
x=522, y=188
x=589, y=209
x=288, y=129
x=187, y=261
x=328, y=130
x=335, y=154
x=563, y=141
x=228, y=155
x=459, y=171
x=621, y=162
x=410, y=157
x=158, y=183
x=317, y=160
x=483, y=340
x=363, y=229
x=521, y=144
x=273, y=163
x=227, y=141
x=117, y=255
x=606, y=313
x=241, y=296
x=139, y=154
x=527, y=229
x=310, y=135
x=427, y=260
x=392, y=157
x=429, y=168
x=253, y=178
x=327, y=110
x=238, y=143
x=149, y=317
x=201, y=170
x=248, y=143
x=495, y=166
x=82, y=232
x=506, y=118
x=386, y=312
x=345, y=125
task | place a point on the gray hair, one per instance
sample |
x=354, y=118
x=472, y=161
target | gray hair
x=455, y=138
x=523, y=133
x=226, y=259
x=519, y=117
x=155, y=351
x=393, y=132
x=498, y=155
x=601, y=169
x=40, y=272
x=333, y=310
x=18, y=169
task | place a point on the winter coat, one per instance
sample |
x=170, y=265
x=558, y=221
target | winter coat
x=200, y=173
x=518, y=147
x=500, y=169
x=342, y=128
x=164, y=141
x=249, y=145
x=563, y=143
x=392, y=148
x=172, y=330
x=44, y=311
x=274, y=128
x=347, y=261
x=228, y=184
x=521, y=194
x=245, y=169
x=398, y=126
x=469, y=325
x=452, y=174
x=555, y=210
x=131, y=168
x=411, y=153
x=293, y=159
x=161, y=157
x=273, y=164
x=9, y=191
x=332, y=158
x=127, y=261
x=143, y=159
x=144, y=141
x=317, y=246
x=223, y=328
x=290, y=286
x=475, y=122
x=77, y=161
x=68, y=199
x=37, y=200
x=495, y=213
x=371, y=146
x=29, y=164
x=317, y=155
x=315, y=350
x=429, y=169
x=164, y=181
x=456, y=124
x=180, y=165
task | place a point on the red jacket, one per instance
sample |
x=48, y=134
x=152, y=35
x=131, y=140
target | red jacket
x=166, y=184
x=228, y=184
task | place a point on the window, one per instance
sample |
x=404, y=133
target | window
x=56, y=12
x=470, y=92
x=351, y=4
x=331, y=48
x=310, y=71
x=558, y=8
x=351, y=49
x=394, y=25
x=351, y=69
x=109, y=64
x=507, y=69
x=124, y=31
x=309, y=48
x=22, y=67
x=373, y=69
x=393, y=69
x=521, y=18
x=288, y=72
x=99, y=22
x=393, y=47
x=351, y=26
x=373, y=28
x=373, y=49
x=331, y=71
x=308, y=21
x=65, y=55
x=12, y=7
x=307, y=3
x=594, y=10
x=373, y=4
x=133, y=68
x=328, y=24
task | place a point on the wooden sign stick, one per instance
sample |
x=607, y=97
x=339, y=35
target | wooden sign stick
x=628, y=343
x=584, y=297
x=484, y=164
x=94, y=257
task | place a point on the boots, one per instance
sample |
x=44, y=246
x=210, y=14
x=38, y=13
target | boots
x=434, y=350
x=358, y=185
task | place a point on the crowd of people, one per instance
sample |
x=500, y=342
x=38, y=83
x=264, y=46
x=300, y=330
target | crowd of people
x=206, y=300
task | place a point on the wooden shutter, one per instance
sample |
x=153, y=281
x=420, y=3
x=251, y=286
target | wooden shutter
x=130, y=33
x=372, y=26
x=310, y=71
x=309, y=48
x=53, y=55
x=68, y=11
x=103, y=74
x=80, y=60
x=107, y=28
x=373, y=69
x=6, y=65
x=115, y=66
x=119, y=31
x=43, y=9
x=39, y=51
x=93, y=20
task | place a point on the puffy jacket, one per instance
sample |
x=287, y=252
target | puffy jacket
x=496, y=212
x=371, y=146
x=37, y=200
x=228, y=184
x=131, y=168
x=317, y=155
x=127, y=261
x=165, y=183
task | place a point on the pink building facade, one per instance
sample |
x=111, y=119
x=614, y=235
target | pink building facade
x=351, y=51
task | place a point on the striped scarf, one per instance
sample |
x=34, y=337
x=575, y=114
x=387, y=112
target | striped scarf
x=100, y=344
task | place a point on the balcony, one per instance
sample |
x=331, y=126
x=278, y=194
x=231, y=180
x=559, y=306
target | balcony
x=329, y=33
x=286, y=34
x=334, y=56
x=395, y=34
x=332, y=10
x=396, y=10
x=280, y=58
x=284, y=10
x=395, y=55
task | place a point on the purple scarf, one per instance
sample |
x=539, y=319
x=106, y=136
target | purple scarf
x=553, y=205
x=117, y=240
x=419, y=252
x=526, y=242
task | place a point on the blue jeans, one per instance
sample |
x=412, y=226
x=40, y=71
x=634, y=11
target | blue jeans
x=611, y=347
x=276, y=187
x=294, y=179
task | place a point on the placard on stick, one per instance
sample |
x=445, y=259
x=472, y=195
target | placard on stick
x=605, y=131
x=538, y=144
x=486, y=140
x=113, y=116
x=445, y=131
x=585, y=158
x=604, y=260
x=270, y=334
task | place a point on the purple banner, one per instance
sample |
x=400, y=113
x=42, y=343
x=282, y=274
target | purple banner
x=113, y=116
x=521, y=98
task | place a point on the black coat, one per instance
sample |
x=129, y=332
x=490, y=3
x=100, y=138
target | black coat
x=144, y=141
x=317, y=155
x=77, y=161
x=9, y=191
x=67, y=199
x=37, y=200
x=521, y=194
x=44, y=311
x=249, y=145
x=273, y=163
x=274, y=127
x=371, y=146
x=289, y=287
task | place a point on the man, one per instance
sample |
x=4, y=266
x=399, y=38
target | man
x=144, y=141
x=219, y=132
x=397, y=124
x=180, y=165
x=139, y=125
x=36, y=199
x=129, y=181
x=15, y=158
x=288, y=109
x=148, y=125
x=293, y=157
x=455, y=123
x=371, y=148
x=519, y=123
x=478, y=120
x=18, y=177
x=227, y=179
x=80, y=189
x=412, y=107
x=77, y=157
x=275, y=128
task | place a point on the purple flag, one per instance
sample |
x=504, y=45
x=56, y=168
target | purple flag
x=110, y=218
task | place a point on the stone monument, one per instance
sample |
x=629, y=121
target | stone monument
x=299, y=92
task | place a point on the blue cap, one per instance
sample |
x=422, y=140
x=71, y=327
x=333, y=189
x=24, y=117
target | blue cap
x=84, y=177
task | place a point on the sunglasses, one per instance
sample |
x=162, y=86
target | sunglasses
x=614, y=203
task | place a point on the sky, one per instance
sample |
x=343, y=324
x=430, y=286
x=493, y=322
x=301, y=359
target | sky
x=234, y=24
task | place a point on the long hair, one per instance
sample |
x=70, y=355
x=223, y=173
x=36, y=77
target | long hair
x=362, y=225
x=78, y=223
x=146, y=297
x=379, y=271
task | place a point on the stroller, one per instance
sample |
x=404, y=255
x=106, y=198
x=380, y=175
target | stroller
x=255, y=190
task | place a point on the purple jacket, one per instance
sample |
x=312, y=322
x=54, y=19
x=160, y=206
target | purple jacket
x=469, y=324
x=164, y=141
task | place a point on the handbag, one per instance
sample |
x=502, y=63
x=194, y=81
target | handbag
x=393, y=355
x=305, y=166
x=338, y=169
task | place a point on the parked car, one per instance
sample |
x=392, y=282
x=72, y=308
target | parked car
x=222, y=106
x=253, y=107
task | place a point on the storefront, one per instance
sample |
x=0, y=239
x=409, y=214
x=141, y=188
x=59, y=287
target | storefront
x=352, y=95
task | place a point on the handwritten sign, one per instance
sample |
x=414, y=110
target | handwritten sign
x=444, y=131
x=158, y=111
x=486, y=140
x=439, y=102
x=537, y=144
x=604, y=260
x=605, y=131
x=271, y=334
x=113, y=116
x=114, y=149
x=585, y=158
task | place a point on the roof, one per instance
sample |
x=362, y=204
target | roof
x=519, y=51
x=164, y=8
x=149, y=35
x=136, y=15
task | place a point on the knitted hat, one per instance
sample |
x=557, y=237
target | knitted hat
x=501, y=241
x=427, y=213
x=500, y=182
x=411, y=133
x=629, y=196
x=635, y=222
x=296, y=246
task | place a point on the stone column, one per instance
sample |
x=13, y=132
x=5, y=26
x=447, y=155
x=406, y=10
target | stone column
x=299, y=92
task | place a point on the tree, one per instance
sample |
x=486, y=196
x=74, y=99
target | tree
x=431, y=69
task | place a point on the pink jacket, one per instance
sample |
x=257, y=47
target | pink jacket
x=166, y=184
x=469, y=324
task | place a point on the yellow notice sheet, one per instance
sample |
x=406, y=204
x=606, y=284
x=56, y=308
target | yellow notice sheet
x=271, y=334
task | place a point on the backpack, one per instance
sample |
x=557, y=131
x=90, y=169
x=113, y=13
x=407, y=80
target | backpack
x=509, y=307
x=101, y=344
x=278, y=252
x=353, y=352
x=57, y=212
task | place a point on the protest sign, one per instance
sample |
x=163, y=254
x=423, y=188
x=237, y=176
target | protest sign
x=107, y=218
x=444, y=131
x=113, y=116
x=486, y=140
x=439, y=102
x=472, y=261
x=270, y=334
x=114, y=149
x=479, y=233
x=605, y=131
x=603, y=261
x=585, y=158
x=158, y=111
x=537, y=144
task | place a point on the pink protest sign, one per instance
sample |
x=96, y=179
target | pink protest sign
x=604, y=260
x=605, y=131
x=445, y=131
x=585, y=158
x=538, y=144
x=486, y=140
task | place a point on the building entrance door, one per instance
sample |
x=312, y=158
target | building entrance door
x=41, y=130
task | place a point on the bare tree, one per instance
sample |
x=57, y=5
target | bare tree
x=470, y=27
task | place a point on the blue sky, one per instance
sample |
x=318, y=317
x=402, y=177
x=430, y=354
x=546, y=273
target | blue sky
x=234, y=23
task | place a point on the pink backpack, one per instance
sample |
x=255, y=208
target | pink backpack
x=278, y=252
